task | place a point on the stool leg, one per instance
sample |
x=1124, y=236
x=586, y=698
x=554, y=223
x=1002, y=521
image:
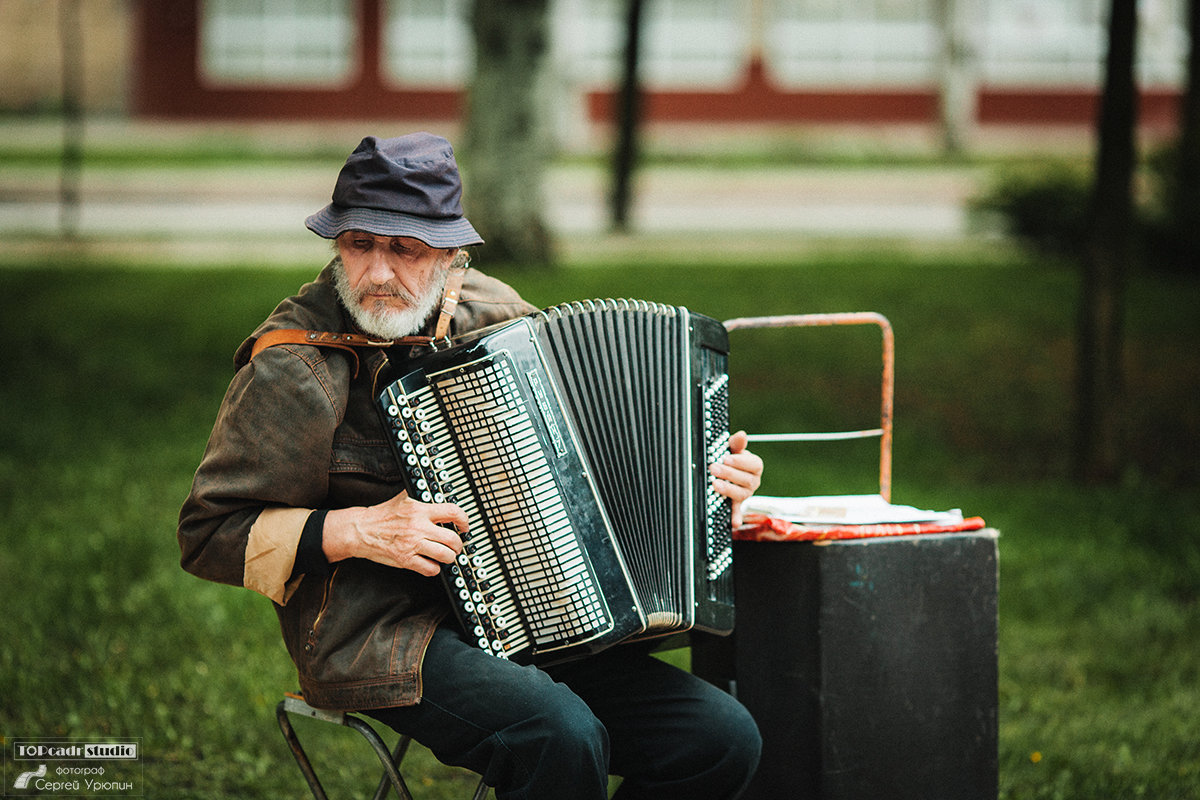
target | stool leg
x=285, y=725
x=381, y=789
x=391, y=773
x=389, y=759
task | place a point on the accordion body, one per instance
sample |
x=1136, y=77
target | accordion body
x=577, y=440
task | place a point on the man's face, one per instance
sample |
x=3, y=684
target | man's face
x=390, y=284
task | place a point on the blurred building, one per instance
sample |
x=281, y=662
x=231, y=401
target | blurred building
x=806, y=61
x=31, y=56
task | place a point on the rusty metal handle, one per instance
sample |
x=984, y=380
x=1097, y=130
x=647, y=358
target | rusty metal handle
x=888, y=381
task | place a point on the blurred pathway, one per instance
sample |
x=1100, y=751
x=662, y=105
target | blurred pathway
x=193, y=210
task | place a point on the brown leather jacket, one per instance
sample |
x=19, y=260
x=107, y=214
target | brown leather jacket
x=298, y=431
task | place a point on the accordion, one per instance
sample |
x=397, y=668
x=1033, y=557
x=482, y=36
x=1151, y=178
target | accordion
x=577, y=440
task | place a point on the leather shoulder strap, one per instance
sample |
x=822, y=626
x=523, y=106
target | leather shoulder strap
x=450, y=296
x=345, y=341
x=341, y=341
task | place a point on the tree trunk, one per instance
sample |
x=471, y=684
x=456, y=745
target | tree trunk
x=1185, y=204
x=70, y=33
x=506, y=144
x=956, y=73
x=1099, y=451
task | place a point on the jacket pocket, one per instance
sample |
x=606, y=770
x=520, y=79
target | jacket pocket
x=310, y=636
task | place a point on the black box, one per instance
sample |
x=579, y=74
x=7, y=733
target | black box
x=869, y=665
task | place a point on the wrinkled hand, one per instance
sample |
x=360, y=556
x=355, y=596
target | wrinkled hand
x=400, y=532
x=738, y=475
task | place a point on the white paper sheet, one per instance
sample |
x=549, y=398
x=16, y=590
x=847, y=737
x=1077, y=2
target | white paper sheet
x=846, y=509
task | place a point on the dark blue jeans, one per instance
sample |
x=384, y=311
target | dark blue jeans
x=558, y=732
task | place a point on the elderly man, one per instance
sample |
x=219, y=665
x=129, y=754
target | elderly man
x=298, y=498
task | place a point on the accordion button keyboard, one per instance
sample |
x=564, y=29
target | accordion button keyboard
x=523, y=509
x=718, y=522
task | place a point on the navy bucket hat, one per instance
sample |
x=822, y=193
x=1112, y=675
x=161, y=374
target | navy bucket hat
x=406, y=186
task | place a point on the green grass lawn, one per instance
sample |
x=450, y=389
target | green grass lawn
x=110, y=378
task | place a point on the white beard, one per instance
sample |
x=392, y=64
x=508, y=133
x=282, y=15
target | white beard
x=382, y=321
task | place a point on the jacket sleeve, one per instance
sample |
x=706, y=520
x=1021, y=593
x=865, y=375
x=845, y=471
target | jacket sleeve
x=266, y=467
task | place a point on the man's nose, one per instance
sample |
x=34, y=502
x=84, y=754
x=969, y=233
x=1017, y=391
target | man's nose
x=379, y=269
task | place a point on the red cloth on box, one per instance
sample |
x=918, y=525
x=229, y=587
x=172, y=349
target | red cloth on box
x=761, y=528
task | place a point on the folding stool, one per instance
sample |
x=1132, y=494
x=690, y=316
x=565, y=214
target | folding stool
x=390, y=759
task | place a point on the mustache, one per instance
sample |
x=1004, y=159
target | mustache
x=389, y=289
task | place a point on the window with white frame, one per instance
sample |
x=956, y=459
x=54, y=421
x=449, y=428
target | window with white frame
x=1064, y=43
x=277, y=42
x=1162, y=42
x=849, y=42
x=588, y=39
x=695, y=43
x=1033, y=42
x=427, y=43
x=685, y=44
x=1016, y=42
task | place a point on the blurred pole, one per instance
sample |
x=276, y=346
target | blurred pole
x=1106, y=254
x=1185, y=209
x=956, y=73
x=70, y=33
x=628, y=119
